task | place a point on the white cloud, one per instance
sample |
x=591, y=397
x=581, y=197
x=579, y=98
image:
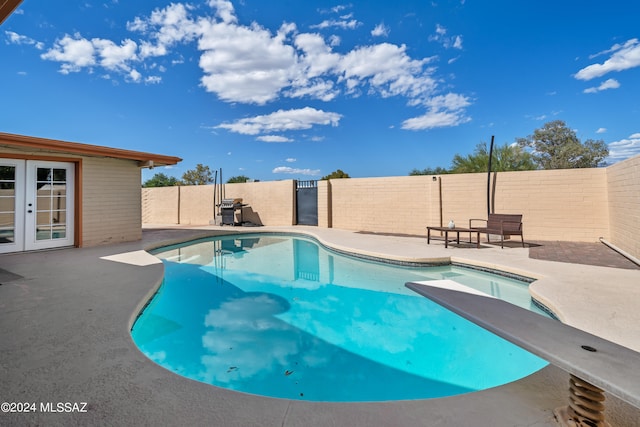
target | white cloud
x=624, y=56
x=448, y=42
x=457, y=42
x=290, y=160
x=380, y=30
x=435, y=119
x=601, y=130
x=607, y=84
x=135, y=76
x=443, y=111
x=283, y=120
x=15, y=38
x=245, y=64
x=294, y=171
x=166, y=27
x=345, y=24
x=114, y=57
x=450, y=101
x=74, y=52
x=316, y=57
x=254, y=65
x=625, y=148
x=224, y=10
x=337, y=9
x=388, y=71
x=274, y=138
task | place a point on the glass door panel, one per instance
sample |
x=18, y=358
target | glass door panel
x=11, y=205
x=50, y=197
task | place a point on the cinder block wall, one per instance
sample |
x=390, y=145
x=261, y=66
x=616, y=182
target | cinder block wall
x=386, y=205
x=196, y=204
x=324, y=204
x=570, y=205
x=111, y=201
x=623, y=188
x=556, y=205
x=270, y=203
x=160, y=205
x=464, y=196
x=567, y=205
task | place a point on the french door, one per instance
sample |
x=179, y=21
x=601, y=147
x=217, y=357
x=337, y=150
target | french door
x=36, y=204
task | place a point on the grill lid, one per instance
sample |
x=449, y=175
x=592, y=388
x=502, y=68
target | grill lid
x=229, y=203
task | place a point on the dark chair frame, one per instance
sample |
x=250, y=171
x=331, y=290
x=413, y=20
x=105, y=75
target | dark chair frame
x=503, y=225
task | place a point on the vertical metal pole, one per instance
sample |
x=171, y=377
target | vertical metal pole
x=215, y=195
x=223, y=191
x=440, y=199
x=489, y=178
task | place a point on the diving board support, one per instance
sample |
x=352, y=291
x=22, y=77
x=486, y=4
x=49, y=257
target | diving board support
x=595, y=365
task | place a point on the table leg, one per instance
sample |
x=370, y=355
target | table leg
x=428, y=235
x=446, y=239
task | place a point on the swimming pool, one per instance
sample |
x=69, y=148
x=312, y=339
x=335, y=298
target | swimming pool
x=282, y=316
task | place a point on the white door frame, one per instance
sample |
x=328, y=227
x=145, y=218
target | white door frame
x=58, y=211
x=18, y=205
x=57, y=233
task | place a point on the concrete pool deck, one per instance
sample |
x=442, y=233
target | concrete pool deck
x=65, y=317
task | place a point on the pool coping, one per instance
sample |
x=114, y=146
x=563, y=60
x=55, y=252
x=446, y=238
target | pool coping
x=65, y=337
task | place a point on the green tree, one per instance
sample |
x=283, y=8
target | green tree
x=161, y=180
x=201, y=175
x=335, y=175
x=505, y=158
x=429, y=171
x=555, y=146
x=236, y=179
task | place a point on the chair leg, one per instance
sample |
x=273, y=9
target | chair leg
x=522, y=237
x=502, y=241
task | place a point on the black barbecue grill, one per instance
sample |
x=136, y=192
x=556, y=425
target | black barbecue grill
x=228, y=208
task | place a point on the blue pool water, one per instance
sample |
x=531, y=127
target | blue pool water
x=282, y=316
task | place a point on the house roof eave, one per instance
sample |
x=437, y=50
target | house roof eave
x=7, y=7
x=144, y=159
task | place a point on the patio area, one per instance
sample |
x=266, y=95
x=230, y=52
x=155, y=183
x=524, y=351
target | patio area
x=66, y=316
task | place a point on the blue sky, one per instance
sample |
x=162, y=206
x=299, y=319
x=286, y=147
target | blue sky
x=297, y=89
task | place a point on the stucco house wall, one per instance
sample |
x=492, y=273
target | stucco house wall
x=111, y=201
x=108, y=205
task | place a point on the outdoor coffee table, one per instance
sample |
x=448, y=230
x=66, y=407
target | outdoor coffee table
x=456, y=230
